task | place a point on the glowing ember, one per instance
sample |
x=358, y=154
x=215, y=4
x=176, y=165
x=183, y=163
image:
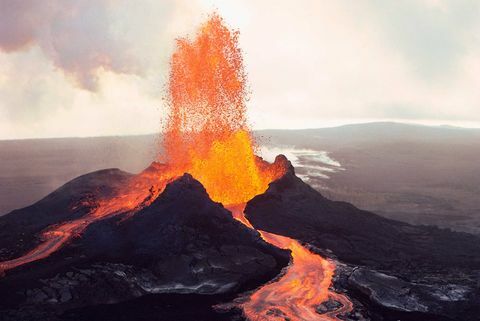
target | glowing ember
x=207, y=134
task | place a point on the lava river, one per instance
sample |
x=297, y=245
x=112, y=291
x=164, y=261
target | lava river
x=297, y=293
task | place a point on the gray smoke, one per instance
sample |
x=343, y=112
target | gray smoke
x=75, y=35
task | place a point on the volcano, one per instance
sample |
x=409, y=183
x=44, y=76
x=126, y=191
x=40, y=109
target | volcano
x=185, y=247
x=210, y=231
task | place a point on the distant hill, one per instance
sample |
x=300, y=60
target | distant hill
x=413, y=173
x=376, y=132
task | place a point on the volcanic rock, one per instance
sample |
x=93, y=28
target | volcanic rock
x=328, y=306
x=181, y=243
x=292, y=208
x=19, y=229
x=439, y=258
x=397, y=294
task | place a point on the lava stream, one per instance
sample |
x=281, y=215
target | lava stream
x=304, y=286
x=139, y=192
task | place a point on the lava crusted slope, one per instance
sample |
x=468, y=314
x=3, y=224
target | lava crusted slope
x=182, y=243
x=292, y=208
x=388, y=252
x=20, y=229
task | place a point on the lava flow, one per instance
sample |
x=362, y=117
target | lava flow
x=140, y=191
x=207, y=135
x=296, y=294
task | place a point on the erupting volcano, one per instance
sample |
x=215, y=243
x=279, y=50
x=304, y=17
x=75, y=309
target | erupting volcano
x=206, y=135
x=212, y=232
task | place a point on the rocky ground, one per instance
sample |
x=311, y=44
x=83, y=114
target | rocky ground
x=396, y=270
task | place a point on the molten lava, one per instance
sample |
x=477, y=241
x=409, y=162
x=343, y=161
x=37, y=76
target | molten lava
x=207, y=134
x=140, y=191
x=297, y=293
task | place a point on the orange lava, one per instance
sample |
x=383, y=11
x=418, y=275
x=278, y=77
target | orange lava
x=139, y=192
x=297, y=293
x=207, y=134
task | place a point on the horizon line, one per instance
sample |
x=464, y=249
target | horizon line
x=333, y=124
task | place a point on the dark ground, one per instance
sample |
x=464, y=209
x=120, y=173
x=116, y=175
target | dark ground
x=400, y=271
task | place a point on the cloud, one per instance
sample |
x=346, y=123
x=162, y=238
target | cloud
x=18, y=22
x=433, y=35
x=75, y=35
x=117, y=50
x=322, y=61
x=310, y=62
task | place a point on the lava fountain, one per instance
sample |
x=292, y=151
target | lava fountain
x=206, y=132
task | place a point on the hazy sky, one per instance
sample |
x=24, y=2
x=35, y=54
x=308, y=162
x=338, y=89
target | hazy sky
x=98, y=67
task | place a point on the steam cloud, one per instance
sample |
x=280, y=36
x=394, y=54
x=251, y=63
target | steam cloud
x=75, y=35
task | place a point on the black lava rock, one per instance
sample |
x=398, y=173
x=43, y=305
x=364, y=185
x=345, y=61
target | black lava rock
x=182, y=243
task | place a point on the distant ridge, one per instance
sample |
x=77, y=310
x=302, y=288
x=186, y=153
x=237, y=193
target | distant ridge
x=375, y=124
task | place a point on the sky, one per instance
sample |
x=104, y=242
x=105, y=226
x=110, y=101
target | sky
x=99, y=67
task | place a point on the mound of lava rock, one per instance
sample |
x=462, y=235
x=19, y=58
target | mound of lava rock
x=181, y=243
x=397, y=270
x=19, y=229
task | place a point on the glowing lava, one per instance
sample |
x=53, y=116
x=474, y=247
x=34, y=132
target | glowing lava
x=139, y=192
x=207, y=134
x=297, y=293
